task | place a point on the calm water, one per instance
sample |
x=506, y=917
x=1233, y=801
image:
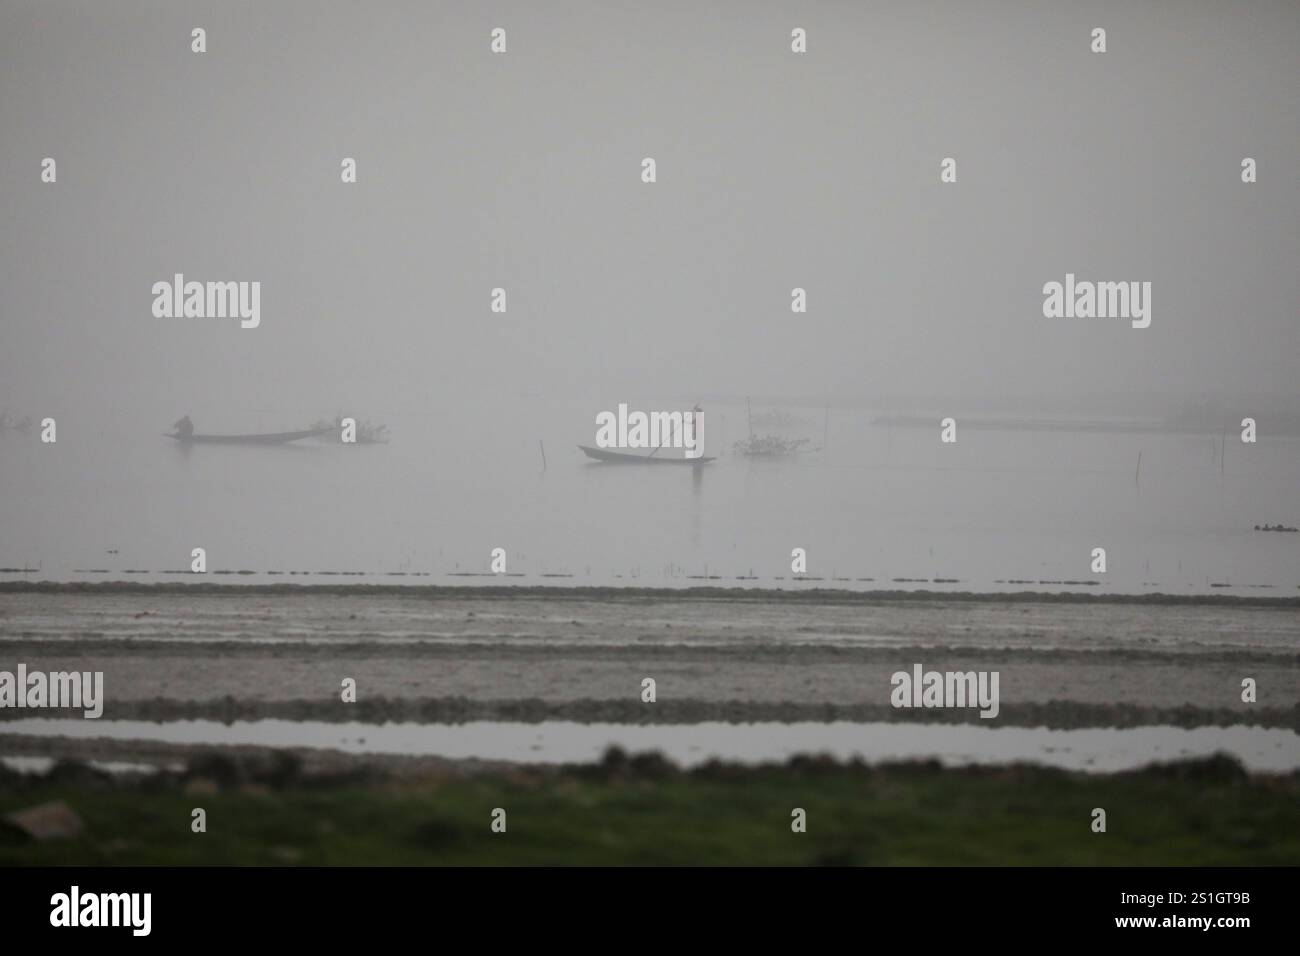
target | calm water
x=995, y=510
x=1099, y=750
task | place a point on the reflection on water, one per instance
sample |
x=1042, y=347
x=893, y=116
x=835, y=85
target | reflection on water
x=43, y=765
x=1097, y=750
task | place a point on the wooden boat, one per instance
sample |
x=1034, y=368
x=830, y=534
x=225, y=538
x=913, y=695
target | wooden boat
x=273, y=438
x=626, y=458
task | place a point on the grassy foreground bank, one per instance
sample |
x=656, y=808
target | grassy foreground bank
x=642, y=810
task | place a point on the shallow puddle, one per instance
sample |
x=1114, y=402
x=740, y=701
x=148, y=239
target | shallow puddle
x=1095, y=749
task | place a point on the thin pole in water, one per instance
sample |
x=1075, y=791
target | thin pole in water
x=671, y=433
x=543, y=448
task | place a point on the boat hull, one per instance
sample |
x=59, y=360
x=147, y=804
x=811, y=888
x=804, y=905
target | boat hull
x=274, y=438
x=625, y=458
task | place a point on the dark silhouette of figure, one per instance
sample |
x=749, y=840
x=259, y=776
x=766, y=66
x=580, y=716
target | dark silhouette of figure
x=184, y=427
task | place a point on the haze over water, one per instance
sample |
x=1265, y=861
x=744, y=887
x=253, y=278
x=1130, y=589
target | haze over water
x=523, y=171
x=995, y=510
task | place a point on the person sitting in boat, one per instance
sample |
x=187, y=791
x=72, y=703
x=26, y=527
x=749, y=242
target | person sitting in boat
x=184, y=427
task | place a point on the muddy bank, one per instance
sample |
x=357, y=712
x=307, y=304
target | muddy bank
x=797, y=593
x=1054, y=715
x=353, y=622
x=189, y=652
x=442, y=682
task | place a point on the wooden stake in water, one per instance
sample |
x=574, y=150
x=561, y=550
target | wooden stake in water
x=543, y=448
x=1137, y=475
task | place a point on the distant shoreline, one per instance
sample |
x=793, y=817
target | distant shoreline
x=815, y=595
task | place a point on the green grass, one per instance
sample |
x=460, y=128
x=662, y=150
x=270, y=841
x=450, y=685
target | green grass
x=643, y=812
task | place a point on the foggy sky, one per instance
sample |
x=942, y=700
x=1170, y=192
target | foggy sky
x=523, y=171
